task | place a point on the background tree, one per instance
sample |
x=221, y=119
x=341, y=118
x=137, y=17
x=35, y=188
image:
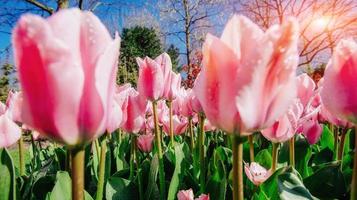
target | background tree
x=174, y=54
x=322, y=22
x=136, y=42
x=5, y=80
x=188, y=21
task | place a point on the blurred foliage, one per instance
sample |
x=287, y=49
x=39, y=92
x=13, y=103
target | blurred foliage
x=174, y=55
x=136, y=42
x=5, y=80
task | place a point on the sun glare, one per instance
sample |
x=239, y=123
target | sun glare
x=321, y=23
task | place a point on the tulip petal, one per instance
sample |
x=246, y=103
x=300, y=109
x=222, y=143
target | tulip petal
x=10, y=132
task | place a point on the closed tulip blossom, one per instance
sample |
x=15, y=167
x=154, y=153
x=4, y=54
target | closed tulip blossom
x=116, y=115
x=14, y=105
x=156, y=80
x=72, y=60
x=256, y=173
x=179, y=124
x=145, y=142
x=135, y=113
x=10, y=132
x=337, y=93
x=246, y=73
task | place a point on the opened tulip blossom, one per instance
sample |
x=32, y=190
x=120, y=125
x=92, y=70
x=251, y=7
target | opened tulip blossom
x=72, y=60
x=243, y=82
x=256, y=173
x=185, y=195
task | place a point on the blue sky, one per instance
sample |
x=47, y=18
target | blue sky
x=104, y=12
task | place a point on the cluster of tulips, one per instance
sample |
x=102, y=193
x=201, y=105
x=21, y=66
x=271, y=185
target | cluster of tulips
x=67, y=65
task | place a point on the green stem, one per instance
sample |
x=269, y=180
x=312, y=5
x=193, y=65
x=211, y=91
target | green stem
x=354, y=173
x=190, y=127
x=169, y=103
x=335, y=143
x=141, y=191
x=68, y=160
x=237, y=147
x=119, y=136
x=132, y=157
x=342, y=145
x=201, y=145
x=274, y=156
x=21, y=156
x=77, y=155
x=292, y=151
x=97, y=149
x=100, y=186
x=159, y=151
x=251, y=148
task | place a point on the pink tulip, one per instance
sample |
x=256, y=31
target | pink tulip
x=116, y=116
x=135, y=113
x=185, y=195
x=186, y=106
x=256, y=173
x=14, y=105
x=179, y=123
x=203, y=197
x=326, y=116
x=284, y=128
x=72, y=60
x=2, y=108
x=144, y=142
x=246, y=75
x=305, y=88
x=156, y=80
x=208, y=126
x=312, y=130
x=337, y=93
x=10, y=132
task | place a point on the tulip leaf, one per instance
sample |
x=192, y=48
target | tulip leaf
x=291, y=186
x=327, y=138
x=303, y=154
x=327, y=182
x=62, y=189
x=217, y=183
x=120, y=188
x=178, y=172
x=154, y=169
x=270, y=186
x=264, y=158
x=43, y=186
x=7, y=171
x=324, y=156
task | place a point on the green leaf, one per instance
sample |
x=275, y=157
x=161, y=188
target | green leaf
x=324, y=156
x=327, y=182
x=291, y=187
x=264, y=158
x=270, y=186
x=7, y=172
x=120, y=188
x=303, y=154
x=43, y=186
x=327, y=139
x=154, y=169
x=63, y=187
x=218, y=182
x=178, y=172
